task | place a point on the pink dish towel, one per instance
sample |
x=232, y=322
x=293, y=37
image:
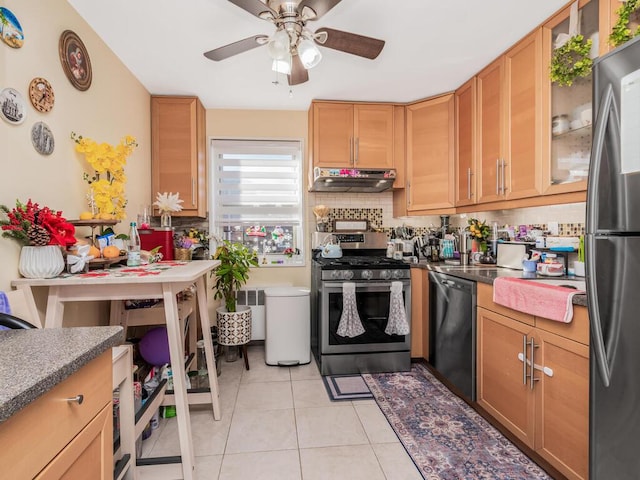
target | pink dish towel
x=535, y=298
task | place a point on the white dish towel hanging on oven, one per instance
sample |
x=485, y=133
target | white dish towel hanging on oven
x=350, y=324
x=397, y=324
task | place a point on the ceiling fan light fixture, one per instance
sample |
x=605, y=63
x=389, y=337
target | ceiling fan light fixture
x=279, y=45
x=282, y=65
x=309, y=54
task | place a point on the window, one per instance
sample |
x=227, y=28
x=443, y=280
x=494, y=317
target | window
x=257, y=197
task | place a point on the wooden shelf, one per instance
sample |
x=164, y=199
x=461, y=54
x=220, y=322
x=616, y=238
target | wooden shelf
x=93, y=223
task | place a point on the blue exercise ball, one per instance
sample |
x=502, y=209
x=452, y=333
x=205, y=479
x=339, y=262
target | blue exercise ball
x=154, y=346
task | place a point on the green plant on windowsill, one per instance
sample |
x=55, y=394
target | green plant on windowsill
x=571, y=61
x=621, y=33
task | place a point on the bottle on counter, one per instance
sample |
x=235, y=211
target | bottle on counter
x=133, y=252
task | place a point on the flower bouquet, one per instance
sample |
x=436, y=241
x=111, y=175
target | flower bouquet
x=31, y=224
x=106, y=197
x=167, y=203
x=480, y=232
x=43, y=234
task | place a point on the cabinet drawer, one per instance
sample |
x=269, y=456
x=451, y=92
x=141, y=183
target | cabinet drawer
x=35, y=435
x=485, y=300
x=577, y=330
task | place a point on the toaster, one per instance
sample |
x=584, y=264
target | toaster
x=510, y=254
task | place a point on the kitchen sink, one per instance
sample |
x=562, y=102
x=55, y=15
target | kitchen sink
x=562, y=282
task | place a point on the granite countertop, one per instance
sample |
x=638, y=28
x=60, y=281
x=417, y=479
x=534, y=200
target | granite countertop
x=32, y=362
x=487, y=274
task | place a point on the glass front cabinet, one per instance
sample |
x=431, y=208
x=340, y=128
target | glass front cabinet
x=567, y=110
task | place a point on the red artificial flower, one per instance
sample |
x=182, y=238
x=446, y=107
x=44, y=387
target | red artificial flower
x=23, y=216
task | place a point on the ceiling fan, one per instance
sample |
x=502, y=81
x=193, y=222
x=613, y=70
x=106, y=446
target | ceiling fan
x=293, y=46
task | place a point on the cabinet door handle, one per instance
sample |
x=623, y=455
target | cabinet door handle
x=193, y=191
x=77, y=399
x=533, y=346
x=351, y=149
x=469, y=174
x=502, y=173
x=408, y=193
x=497, y=176
x=356, y=156
x=524, y=359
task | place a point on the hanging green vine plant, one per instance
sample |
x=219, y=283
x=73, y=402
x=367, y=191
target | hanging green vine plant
x=571, y=61
x=621, y=33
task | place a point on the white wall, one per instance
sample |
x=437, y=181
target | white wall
x=115, y=105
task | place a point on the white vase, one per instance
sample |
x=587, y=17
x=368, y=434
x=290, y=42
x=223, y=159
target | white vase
x=41, y=262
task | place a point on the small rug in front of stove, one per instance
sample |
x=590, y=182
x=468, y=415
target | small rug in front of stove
x=346, y=387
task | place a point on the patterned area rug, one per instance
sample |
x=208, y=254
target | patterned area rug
x=346, y=387
x=444, y=436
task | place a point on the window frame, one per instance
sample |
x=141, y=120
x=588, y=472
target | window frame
x=270, y=259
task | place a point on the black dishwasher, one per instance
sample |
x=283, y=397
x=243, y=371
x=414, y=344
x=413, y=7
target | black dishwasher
x=452, y=317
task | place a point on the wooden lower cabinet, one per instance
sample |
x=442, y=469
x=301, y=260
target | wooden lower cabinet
x=87, y=456
x=53, y=438
x=552, y=415
x=419, y=313
x=501, y=389
x=562, y=428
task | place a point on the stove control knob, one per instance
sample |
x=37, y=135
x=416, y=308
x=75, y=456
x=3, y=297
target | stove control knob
x=367, y=274
x=336, y=275
x=348, y=275
x=385, y=274
x=398, y=274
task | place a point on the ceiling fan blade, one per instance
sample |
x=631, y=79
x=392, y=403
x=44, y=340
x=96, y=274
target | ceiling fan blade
x=352, y=43
x=235, y=48
x=257, y=8
x=319, y=7
x=298, y=74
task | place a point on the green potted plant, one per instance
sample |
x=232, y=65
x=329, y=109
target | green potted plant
x=234, y=325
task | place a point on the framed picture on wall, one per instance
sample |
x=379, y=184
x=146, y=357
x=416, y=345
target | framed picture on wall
x=75, y=60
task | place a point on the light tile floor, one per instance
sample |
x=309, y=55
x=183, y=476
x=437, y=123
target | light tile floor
x=278, y=423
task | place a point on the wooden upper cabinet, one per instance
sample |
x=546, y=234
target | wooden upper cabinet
x=178, y=153
x=332, y=134
x=466, y=144
x=567, y=151
x=430, y=154
x=490, y=136
x=509, y=124
x=523, y=75
x=352, y=135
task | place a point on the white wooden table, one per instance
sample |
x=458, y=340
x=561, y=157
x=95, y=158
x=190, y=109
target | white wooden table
x=162, y=281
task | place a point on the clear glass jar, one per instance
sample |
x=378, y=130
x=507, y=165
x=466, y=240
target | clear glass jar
x=165, y=219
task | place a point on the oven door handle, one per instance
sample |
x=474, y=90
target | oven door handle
x=369, y=285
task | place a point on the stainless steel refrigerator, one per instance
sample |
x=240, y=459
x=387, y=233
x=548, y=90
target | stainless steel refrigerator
x=613, y=266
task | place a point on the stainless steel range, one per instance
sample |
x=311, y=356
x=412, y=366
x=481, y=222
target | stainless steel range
x=365, y=270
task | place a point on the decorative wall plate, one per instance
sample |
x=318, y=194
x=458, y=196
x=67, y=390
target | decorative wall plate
x=12, y=106
x=75, y=60
x=41, y=94
x=11, y=32
x=42, y=138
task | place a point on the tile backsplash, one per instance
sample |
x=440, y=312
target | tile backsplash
x=378, y=209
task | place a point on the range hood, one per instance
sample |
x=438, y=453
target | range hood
x=353, y=180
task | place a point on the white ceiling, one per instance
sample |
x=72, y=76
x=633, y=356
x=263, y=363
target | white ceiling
x=432, y=46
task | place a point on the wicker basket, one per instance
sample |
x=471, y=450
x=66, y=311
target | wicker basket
x=182, y=253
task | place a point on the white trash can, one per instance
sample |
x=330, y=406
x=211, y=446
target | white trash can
x=288, y=326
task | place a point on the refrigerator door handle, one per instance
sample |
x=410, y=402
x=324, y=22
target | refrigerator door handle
x=597, y=339
x=607, y=104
